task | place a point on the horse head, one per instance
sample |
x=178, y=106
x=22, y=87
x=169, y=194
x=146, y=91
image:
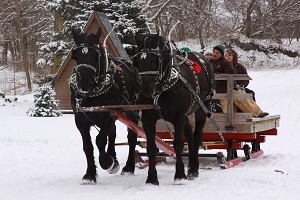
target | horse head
x=90, y=58
x=152, y=61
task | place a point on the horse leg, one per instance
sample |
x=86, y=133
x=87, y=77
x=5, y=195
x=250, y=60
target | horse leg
x=106, y=161
x=90, y=176
x=132, y=139
x=200, y=119
x=188, y=133
x=149, y=124
x=178, y=147
x=112, y=151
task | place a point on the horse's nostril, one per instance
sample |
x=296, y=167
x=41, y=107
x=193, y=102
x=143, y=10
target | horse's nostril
x=152, y=91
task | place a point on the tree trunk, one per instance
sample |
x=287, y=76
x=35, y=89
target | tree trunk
x=200, y=35
x=248, y=18
x=4, y=53
x=22, y=45
x=58, y=26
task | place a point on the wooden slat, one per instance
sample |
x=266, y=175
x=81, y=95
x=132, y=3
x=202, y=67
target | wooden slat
x=266, y=123
x=236, y=116
x=267, y=118
x=238, y=120
x=238, y=128
x=234, y=96
x=235, y=76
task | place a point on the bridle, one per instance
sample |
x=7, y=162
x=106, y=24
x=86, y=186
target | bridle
x=159, y=73
x=102, y=82
x=96, y=69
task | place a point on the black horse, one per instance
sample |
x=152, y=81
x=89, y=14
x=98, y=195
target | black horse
x=179, y=86
x=99, y=80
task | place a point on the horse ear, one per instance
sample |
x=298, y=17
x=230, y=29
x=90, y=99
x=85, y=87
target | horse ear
x=75, y=36
x=94, y=38
x=138, y=40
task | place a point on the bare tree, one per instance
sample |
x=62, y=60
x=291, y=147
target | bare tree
x=250, y=8
x=198, y=18
x=24, y=23
x=24, y=52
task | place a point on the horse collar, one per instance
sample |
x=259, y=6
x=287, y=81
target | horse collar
x=168, y=84
x=96, y=91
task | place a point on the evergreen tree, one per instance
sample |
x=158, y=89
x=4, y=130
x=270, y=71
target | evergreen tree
x=58, y=47
x=124, y=15
x=127, y=18
x=45, y=104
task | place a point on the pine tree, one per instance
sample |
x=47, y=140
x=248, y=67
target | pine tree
x=44, y=103
x=127, y=18
x=58, y=47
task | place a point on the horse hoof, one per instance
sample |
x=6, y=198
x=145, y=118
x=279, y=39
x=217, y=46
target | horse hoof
x=127, y=170
x=192, y=175
x=180, y=176
x=156, y=183
x=115, y=167
x=88, y=180
x=152, y=182
x=124, y=173
x=180, y=181
x=106, y=162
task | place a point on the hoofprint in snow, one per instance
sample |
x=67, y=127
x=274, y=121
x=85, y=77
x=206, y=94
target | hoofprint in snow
x=42, y=158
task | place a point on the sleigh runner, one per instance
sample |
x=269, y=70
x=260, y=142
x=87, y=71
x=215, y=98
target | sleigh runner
x=238, y=130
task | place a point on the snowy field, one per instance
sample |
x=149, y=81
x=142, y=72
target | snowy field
x=42, y=158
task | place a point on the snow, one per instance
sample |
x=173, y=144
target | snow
x=42, y=158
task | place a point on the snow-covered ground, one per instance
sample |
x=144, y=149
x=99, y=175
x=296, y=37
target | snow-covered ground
x=42, y=158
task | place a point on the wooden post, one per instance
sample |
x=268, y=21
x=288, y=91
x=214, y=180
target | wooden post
x=230, y=84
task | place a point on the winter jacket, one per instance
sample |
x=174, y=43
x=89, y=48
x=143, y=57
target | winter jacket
x=240, y=69
x=222, y=66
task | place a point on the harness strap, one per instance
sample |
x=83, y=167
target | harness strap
x=119, y=71
x=208, y=114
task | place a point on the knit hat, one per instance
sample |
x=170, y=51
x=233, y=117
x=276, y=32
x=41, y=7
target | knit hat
x=207, y=51
x=183, y=49
x=220, y=48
